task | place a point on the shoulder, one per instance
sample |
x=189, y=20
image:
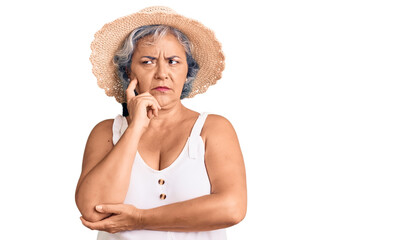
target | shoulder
x=102, y=131
x=103, y=126
x=216, y=121
x=217, y=125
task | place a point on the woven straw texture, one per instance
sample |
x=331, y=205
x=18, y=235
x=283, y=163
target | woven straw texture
x=206, y=50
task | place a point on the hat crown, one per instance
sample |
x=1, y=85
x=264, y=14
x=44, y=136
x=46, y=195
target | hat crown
x=158, y=9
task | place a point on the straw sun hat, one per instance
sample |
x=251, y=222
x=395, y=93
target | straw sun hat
x=206, y=48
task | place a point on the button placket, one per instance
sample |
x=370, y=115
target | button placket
x=162, y=187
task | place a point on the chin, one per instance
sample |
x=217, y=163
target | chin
x=163, y=98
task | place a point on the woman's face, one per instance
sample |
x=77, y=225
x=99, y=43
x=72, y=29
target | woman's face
x=160, y=64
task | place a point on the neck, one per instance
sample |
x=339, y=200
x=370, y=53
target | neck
x=168, y=115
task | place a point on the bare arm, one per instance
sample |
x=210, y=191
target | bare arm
x=227, y=203
x=106, y=169
x=224, y=207
x=206, y=213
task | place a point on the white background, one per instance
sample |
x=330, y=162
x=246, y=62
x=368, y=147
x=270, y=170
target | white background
x=316, y=90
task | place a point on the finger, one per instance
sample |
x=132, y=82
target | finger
x=150, y=103
x=86, y=223
x=156, y=112
x=158, y=105
x=150, y=96
x=100, y=225
x=154, y=108
x=109, y=208
x=149, y=113
x=130, y=90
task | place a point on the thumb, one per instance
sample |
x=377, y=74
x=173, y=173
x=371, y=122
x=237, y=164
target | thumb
x=109, y=208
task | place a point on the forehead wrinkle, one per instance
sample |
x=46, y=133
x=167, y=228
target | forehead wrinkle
x=172, y=57
x=152, y=58
x=156, y=52
x=161, y=46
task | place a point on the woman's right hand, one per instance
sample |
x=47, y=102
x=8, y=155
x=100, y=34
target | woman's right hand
x=141, y=108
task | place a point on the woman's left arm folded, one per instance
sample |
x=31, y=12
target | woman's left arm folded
x=224, y=207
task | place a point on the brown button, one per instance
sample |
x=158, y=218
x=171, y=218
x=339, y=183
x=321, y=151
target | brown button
x=162, y=196
x=161, y=181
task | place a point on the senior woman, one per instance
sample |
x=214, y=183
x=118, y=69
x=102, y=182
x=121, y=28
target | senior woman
x=160, y=170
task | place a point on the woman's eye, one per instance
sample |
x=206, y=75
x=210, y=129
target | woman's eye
x=173, y=61
x=147, y=62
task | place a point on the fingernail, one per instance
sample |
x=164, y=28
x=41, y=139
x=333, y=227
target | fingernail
x=99, y=207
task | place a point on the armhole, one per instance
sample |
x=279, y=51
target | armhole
x=204, y=122
x=198, y=126
x=116, y=129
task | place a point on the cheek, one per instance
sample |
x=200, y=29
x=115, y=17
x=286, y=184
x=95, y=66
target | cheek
x=179, y=79
x=144, y=84
x=181, y=73
x=142, y=76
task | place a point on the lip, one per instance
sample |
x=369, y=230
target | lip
x=161, y=88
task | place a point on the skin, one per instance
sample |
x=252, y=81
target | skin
x=158, y=126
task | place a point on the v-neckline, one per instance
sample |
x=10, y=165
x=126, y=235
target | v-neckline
x=168, y=167
x=177, y=158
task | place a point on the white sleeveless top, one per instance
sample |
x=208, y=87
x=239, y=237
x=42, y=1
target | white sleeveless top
x=184, y=179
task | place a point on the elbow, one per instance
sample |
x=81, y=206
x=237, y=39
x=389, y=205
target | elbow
x=237, y=210
x=88, y=211
x=237, y=216
x=93, y=216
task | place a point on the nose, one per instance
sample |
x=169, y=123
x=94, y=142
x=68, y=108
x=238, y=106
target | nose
x=161, y=71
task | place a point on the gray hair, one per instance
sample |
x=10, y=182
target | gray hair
x=123, y=57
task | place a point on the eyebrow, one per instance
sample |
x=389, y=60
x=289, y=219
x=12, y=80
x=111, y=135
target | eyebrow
x=153, y=58
x=174, y=56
